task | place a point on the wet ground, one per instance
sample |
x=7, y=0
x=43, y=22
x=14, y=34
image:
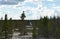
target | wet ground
x=16, y=36
x=29, y=36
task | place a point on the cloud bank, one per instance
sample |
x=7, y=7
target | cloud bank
x=10, y=2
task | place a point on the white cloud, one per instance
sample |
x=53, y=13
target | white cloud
x=31, y=13
x=57, y=10
x=47, y=12
x=51, y=0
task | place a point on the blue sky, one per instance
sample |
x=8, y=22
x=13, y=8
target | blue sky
x=34, y=9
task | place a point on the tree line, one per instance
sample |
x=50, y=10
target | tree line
x=47, y=28
x=44, y=27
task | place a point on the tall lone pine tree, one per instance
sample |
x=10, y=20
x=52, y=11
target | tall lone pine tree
x=22, y=24
x=23, y=16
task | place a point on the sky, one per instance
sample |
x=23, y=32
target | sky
x=34, y=9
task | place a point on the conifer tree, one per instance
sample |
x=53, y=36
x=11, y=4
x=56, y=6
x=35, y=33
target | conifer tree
x=5, y=28
x=23, y=16
x=22, y=24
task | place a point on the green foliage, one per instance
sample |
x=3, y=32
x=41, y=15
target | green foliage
x=48, y=27
x=44, y=27
x=34, y=24
x=57, y=33
x=23, y=16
